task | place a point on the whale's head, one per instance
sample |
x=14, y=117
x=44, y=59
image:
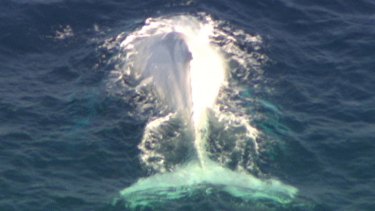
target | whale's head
x=165, y=62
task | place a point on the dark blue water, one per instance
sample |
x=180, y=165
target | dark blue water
x=66, y=143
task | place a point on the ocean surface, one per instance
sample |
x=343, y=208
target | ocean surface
x=302, y=71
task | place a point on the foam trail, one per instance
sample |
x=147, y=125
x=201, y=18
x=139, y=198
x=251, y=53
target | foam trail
x=207, y=77
x=188, y=73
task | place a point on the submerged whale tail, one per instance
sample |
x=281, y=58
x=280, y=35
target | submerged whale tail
x=192, y=178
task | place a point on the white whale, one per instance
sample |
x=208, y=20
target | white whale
x=166, y=64
x=187, y=73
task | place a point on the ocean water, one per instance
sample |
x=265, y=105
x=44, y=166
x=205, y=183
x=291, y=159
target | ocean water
x=300, y=74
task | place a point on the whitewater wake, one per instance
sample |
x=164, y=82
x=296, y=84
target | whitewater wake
x=178, y=71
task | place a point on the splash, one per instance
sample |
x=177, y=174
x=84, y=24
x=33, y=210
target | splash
x=188, y=101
